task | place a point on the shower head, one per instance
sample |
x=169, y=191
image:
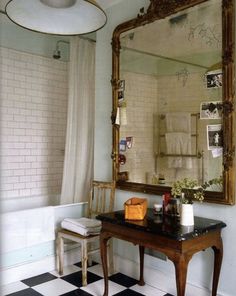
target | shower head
x=57, y=54
x=131, y=36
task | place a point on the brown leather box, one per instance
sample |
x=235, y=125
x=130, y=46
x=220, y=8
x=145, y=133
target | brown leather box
x=135, y=208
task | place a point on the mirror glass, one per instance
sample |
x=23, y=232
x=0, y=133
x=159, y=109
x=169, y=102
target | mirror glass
x=170, y=100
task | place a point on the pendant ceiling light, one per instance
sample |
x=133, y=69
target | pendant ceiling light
x=60, y=17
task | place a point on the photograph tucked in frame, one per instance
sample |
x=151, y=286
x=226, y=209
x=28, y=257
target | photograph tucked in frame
x=214, y=79
x=122, y=145
x=211, y=110
x=121, y=91
x=121, y=97
x=121, y=85
x=129, y=142
x=214, y=136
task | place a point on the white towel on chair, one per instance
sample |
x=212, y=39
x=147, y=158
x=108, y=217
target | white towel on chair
x=83, y=226
x=178, y=122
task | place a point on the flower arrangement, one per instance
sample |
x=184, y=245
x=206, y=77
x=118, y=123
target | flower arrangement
x=189, y=190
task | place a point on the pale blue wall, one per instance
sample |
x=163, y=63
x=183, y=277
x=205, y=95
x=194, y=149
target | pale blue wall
x=15, y=37
x=103, y=102
x=18, y=38
x=200, y=266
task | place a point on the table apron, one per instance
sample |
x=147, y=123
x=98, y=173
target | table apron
x=170, y=247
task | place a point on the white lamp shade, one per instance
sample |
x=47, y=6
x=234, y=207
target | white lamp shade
x=60, y=17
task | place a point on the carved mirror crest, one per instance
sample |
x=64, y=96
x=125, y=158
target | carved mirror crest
x=173, y=98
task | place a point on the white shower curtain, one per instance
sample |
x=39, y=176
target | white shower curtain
x=79, y=149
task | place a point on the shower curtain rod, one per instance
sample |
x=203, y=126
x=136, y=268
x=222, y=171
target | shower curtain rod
x=86, y=38
x=163, y=57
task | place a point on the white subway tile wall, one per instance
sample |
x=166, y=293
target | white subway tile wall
x=34, y=95
x=141, y=96
x=148, y=97
x=191, y=91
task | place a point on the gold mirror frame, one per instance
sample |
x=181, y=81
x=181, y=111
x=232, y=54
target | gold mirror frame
x=159, y=9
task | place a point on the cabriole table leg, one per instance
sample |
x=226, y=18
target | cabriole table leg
x=103, y=248
x=218, y=252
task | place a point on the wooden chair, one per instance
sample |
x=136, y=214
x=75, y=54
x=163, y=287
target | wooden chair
x=101, y=200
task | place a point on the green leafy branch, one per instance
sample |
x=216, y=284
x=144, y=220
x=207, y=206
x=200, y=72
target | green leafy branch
x=188, y=189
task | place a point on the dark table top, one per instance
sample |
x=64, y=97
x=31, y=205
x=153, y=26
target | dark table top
x=164, y=225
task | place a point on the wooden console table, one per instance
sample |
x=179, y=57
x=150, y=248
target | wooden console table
x=166, y=235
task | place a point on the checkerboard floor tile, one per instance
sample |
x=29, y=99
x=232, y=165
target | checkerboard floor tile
x=70, y=284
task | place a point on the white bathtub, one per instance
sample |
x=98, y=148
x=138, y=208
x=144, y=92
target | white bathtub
x=28, y=234
x=29, y=202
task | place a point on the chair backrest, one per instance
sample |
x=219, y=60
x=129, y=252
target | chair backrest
x=101, y=198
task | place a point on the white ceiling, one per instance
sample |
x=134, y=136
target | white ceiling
x=103, y=3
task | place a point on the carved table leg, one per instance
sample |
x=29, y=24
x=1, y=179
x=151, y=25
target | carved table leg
x=103, y=250
x=141, y=257
x=181, y=267
x=218, y=252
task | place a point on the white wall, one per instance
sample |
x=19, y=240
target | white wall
x=200, y=266
x=140, y=95
x=33, y=123
x=18, y=38
x=103, y=101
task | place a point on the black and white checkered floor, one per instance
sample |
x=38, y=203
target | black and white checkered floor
x=70, y=284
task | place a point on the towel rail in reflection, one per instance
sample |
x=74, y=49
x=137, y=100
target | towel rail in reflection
x=198, y=154
x=194, y=135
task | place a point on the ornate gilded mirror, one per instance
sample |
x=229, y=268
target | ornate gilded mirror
x=173, y=97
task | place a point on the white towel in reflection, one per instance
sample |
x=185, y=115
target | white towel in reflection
x=117, y=121
x=180, y=144
x=83, y=226
x=178, y=122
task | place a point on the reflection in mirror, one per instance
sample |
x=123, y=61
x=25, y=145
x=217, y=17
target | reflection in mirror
x=165, y=86
x=170, y=99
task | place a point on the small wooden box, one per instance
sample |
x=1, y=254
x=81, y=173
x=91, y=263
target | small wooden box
x=135, y=208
